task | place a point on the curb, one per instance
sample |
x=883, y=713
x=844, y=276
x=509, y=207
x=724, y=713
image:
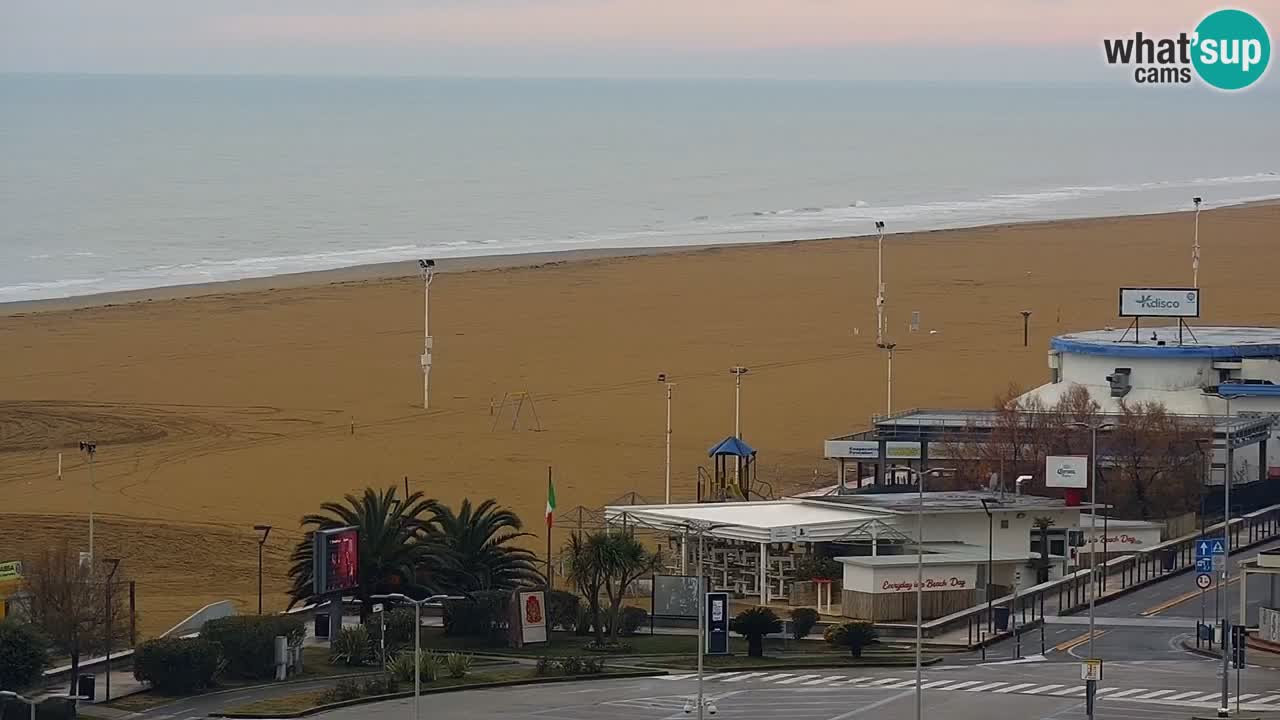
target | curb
x=453, y=688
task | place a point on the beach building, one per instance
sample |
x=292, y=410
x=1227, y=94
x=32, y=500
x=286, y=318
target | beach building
x=969, y=539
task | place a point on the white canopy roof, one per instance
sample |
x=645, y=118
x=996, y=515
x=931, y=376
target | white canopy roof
x=750, y=521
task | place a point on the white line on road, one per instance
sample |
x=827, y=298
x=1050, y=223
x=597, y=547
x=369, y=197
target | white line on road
x=1015, y=688
x=1266, y=700
x=984, y=688
x=826, y=679
x=1152, y=695
x=744, y=676
x=669, y=677
x=1124, y=693
x=1068, y=691
x=936, y=683
x=1185, y=695
x=1244, y=698
x=798, y=678
x=900, y=684
x=1042, y=688
x=779, y=676
x=961, y=685
x=885, y=681
x=855, y=681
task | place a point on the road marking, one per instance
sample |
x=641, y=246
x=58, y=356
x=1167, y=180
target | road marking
x=1123, y=693
x=743, y=676
x=771, y=678
x=980, y=688
x=1266, y=700
x=961, y=685
x=899, y=685
x=826, y=679
x=677, y=677
x=1015, y=688
x=1184, y=696
x=885, y=681
x=936, y=683
x=1181, y=599
x=1206, y=697
x=1068, y=691
x=1078, y=640
x=1100, y=691
x=1153, y=694
x=1244, y=698
x=855, y=681
x=798, y=678
x=724, y=676
x=1042, y=688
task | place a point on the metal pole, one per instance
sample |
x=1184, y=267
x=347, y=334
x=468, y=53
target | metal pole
x=879, y=283
x=919, y=590
x=1195, y=250
x=702, y=612
x=888, y=404
x=737, y=404
x=259, y=578
x=417, y=655
x=669, y=443
x=1224, y=709
x=1093, y=539
x=428, y=272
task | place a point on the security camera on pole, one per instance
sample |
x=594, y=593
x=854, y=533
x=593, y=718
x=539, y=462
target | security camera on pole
x=880, y=322
x=428, y=270
x=1195, y=248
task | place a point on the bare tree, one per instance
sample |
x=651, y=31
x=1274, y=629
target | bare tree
x=68, y=603
x=1154, y=460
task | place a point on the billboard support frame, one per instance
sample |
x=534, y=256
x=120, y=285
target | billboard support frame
x=1136, y=326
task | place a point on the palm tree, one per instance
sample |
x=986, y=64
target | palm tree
x=624, y=559
x=586, y=570
x=753, y=624
x=398, y=551
x=480, y=542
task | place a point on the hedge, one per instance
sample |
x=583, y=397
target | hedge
x=177, y=666
x=484, y=614
x=23, y=655
x=248, y=641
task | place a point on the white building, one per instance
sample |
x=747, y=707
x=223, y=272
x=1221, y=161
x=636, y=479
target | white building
x=1210, y=371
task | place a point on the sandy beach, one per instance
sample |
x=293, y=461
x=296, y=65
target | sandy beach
x=221, y=407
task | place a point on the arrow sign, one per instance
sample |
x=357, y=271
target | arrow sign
x=1207, y=547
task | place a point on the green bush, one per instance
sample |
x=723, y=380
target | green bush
x=351, y=647
x=633, y=618
x=248, y=641
x=818, y=566
x=562, y=610
x=802, y=622
x=753, y=624
x=571, y=665
x=546, y=665
x=379, y=685
x=177, y=666
x=593, y=665
x=482, y=615
x=343, y=690
x=854, y=635
x=399, y=624
x=457, y=665
x=23, y=655
x=401, y=667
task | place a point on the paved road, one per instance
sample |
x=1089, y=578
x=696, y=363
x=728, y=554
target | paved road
x=1027, y=691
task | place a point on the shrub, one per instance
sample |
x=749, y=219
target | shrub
x=378, y=685
x=818, y=566
x=802, y=622
x=753, y=624
x=483, y=615
x=562, y=610
x=401, y=667
x=616, y=648
x=593, y=665
x=344, y=690
x=571, y=665
x=248, y=641
x=23, y=655
x=853, y=635
x=177, y=666
x=457, y=664
x=351, y=647
x=546, y=665
x=399, y=624
x=633, y=618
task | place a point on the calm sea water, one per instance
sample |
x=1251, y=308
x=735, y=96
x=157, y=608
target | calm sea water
x=111, y=183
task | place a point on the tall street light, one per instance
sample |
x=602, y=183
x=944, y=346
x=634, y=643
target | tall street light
x=1093, y=429
x=737, y=371
x=701, y=528
x=919, y=476
x=879, y=283
x=417, y=635
x=991, y=533
x=1195, y=248
x=662, y=378
x=265, y=530
x=1227, y=479
x=90, y=449
x=428, y=270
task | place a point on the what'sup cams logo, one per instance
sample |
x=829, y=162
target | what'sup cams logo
x=1228, y=50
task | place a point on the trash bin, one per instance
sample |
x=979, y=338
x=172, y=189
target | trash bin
x=322, y=625
x=1001, y=617
x=86, y=686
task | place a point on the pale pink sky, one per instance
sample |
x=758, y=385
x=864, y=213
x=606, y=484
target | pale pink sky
x=833, y=38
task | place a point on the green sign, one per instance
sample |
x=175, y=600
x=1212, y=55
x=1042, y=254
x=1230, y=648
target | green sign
x=11, y=570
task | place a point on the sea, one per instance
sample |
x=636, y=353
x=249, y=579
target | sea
x=127, y=182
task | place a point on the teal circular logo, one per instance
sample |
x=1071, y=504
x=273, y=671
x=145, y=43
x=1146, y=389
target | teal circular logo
x=1232, y=49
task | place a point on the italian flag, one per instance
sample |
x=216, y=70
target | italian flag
x=551, y=503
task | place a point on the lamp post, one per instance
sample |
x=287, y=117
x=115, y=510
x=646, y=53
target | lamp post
x=110, y=613
x=91, y=449
x=1228, y=477
x=701, y=528
x=662, y=378
x=888, y=402
x=1026, y=325
x=1195, y=248
x=427, y=268
x=1091, y=685
x=990, y=542
x=737, y=371
x=265, y=530
x=920, y=475
x=417, y=635
x=879, y=283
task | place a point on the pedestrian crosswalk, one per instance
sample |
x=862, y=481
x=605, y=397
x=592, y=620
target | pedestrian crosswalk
x=821, y=681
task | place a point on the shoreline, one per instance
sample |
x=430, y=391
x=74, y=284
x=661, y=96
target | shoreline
x=375, y=272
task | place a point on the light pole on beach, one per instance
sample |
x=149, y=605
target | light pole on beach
x=90, y=449
x=428, y=270
x=919, y=475
x=662, y=378
x=265, y=530
x=879, y=283
x=1195, y=248
x=737, y=371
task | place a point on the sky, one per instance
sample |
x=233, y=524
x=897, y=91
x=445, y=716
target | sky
x=870, y=40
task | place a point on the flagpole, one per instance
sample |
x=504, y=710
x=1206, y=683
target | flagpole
x=550, y=522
